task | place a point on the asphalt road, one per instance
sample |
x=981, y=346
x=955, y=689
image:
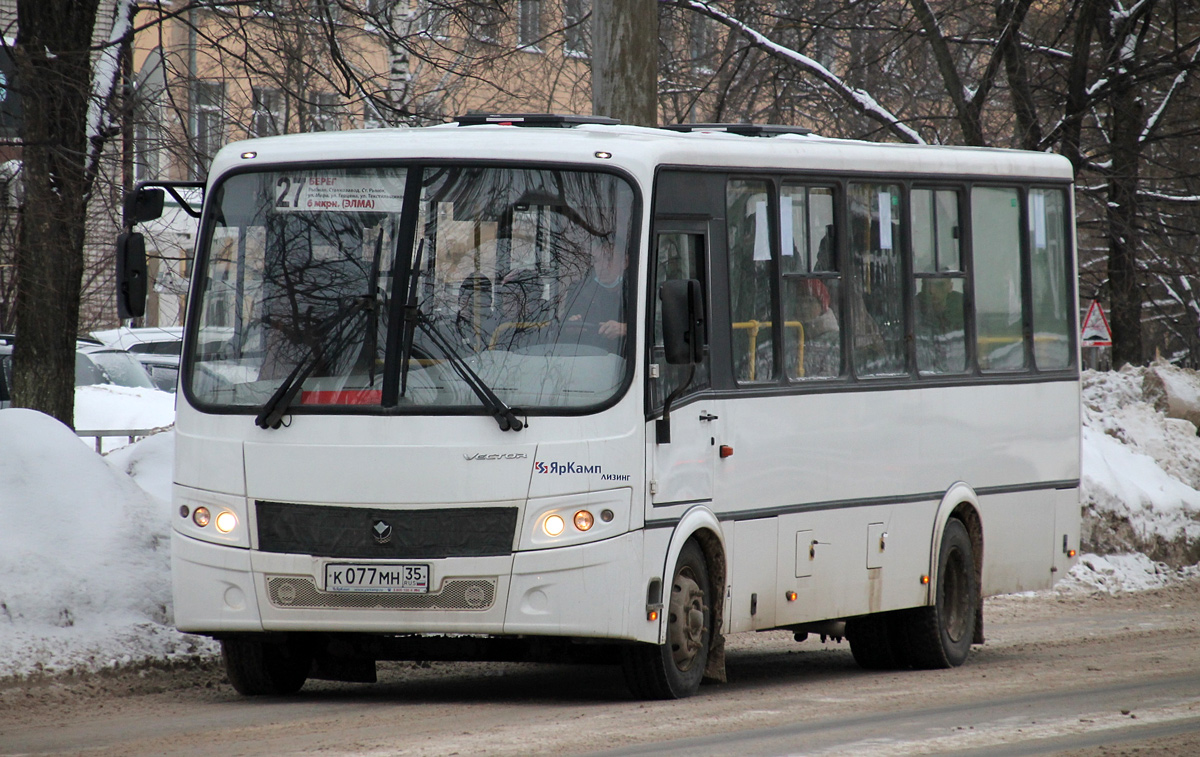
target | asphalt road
x=1096, y=675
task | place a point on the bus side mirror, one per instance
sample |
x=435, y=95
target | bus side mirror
x=682, y=321
x=143, y=204
x=131, y=275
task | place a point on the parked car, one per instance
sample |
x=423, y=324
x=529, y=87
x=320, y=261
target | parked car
x=156, y=348
x=95, y=363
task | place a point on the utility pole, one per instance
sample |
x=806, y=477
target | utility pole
x=625, y=60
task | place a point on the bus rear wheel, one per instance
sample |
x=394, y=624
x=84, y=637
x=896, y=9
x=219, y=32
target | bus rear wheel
x=673, y=670
x=939, y=636
x=265, y=668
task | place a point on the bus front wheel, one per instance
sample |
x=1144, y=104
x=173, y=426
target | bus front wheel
x=939, y=636
x=256, y=667
x=673, y=670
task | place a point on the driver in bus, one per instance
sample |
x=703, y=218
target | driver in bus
x=596, y=303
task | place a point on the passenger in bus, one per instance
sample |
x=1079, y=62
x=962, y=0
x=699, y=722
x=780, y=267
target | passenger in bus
x=940, y=306
x=594, y=306
x=819, y=340
x=476, y=320
x=815, y=309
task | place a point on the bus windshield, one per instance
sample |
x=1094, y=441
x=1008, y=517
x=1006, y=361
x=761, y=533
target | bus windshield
x=410, y=286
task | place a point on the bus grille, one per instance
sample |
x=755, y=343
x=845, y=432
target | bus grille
x=298, y=592
x=332, y=531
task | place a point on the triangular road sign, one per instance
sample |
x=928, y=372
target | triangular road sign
x=1096, y=332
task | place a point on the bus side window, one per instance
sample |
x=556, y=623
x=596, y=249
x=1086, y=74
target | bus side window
x=678, y=255
x=750, y=278
x=812, y=284
x=877, y=295
x=1050, y=262
x=996, y=260
x=940, y=307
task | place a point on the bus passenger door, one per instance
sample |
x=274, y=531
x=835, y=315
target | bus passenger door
x=681, y=470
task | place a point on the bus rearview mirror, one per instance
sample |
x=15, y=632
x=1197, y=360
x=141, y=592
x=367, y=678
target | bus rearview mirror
x=131, y=275
x=682, y=321
x=143, y=204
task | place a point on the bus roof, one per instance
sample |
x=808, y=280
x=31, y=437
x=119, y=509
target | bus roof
x=641, y=150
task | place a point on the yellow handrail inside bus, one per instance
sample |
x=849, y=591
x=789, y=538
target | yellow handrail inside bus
x=754, y=326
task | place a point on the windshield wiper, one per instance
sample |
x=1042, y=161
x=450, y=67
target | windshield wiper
x=500, y=410
x=276, y=406
x=505, y=416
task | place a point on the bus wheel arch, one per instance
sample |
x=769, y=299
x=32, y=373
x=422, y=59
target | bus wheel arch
x=940, y=633
x=693, y=604
x=961, y=503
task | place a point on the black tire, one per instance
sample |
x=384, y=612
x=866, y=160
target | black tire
x=673, y=670
x=939, y=636
x=875, y=643
x=260, y=668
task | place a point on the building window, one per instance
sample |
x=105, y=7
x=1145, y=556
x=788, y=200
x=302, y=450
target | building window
x=147, y=140
x=577, y=27
x=324, y=115
x=269, y=117
x=209, y=130
x=487, y=28
x=529, y=23
x=702, y=42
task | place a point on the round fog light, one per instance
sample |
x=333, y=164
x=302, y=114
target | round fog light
x=583, y=520
x=201, y=516
x=226, y=522
x=554, y=525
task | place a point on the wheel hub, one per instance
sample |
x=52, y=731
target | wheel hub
x=685, y=627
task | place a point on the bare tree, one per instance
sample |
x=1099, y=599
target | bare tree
x=65, y=97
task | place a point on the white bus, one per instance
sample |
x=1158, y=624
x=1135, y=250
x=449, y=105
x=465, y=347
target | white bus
x=553, y=388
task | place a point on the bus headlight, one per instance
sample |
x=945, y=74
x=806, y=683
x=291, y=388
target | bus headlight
x=226, y=522
x=567, y=520
x=212, y=516
x=553, y=525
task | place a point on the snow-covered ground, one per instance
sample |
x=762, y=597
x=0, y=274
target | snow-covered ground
x=84, y=538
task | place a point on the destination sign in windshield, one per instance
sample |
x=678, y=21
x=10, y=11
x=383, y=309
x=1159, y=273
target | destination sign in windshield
x=344, y=194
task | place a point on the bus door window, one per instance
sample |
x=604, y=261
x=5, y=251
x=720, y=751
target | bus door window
x=812, y=341
x=940, y=306
x=996, y=264
x=678, y=255
x=750, y=280
x=878, y=293
x=1049, y=261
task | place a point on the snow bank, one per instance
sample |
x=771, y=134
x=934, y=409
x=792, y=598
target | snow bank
x=1141, y=468
x=1117, y=574
x=84, y=554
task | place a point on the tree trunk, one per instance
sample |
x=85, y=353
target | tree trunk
x=1123, y=237
x=625, y=60
x=54, y=73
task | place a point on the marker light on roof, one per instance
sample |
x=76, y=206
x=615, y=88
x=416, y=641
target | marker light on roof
x=249, y=155
x=602, y=155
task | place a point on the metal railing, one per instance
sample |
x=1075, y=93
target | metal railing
x=132, y=434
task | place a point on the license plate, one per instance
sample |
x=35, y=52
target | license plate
x=409, y=579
